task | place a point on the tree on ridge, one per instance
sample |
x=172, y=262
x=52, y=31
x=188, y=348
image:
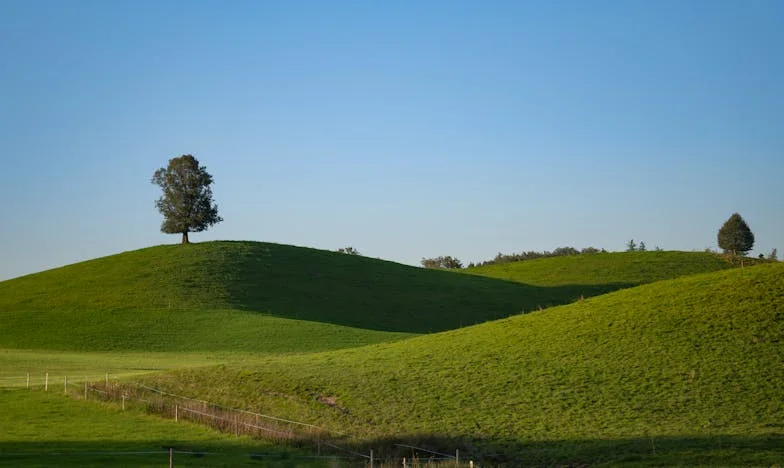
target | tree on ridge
x=447, y=262
x=735, y=237
x=349, y=250
x=186, y=203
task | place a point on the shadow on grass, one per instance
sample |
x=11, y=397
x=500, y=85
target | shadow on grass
x=713, y=450
x=716, y=450
x=136, y=454
x=379, y=295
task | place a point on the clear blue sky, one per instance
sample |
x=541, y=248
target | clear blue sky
x=405, y=129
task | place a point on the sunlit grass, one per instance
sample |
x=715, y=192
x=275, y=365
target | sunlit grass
x=692, y=362
x=611, y=268
x=682, y=371
x=188, y=331
x=49, y=429
x=16, y=364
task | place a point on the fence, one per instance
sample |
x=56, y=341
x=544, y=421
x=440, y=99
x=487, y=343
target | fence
x=44, y=382
x=199, y=458
x=225, y=419
x=329, y=445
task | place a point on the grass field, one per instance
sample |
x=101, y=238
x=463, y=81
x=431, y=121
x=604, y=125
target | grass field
x=51, y=430
x=217, y=331
x=610, y=269
x=682, y=371
x=16, y=364
x=691, y=366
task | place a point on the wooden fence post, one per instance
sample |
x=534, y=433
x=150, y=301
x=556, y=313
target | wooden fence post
x=371, y=458
x=85, y=389
x=171, y=457
x=46, y=382
x=176, y=413
x=28, y=381
x=65, y=385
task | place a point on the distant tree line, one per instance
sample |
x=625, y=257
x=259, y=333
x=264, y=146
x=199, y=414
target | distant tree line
x=448, y=262
x=734, y=237
x=442, y=262
x=632, y=246
x=532, y=255
x=349, y=251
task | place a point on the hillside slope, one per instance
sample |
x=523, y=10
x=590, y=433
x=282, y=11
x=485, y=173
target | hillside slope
x=689, y=366
x=271, y=279
x=610, y=269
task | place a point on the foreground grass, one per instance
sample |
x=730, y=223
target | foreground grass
x=48, y=429
x=682, y=371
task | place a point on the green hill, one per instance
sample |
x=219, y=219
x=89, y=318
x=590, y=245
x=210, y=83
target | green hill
x=247, y=296
x=682, y=371
x=315, y=285
x=606, y=271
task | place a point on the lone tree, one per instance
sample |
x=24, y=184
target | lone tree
x=186, y=203
x=735, y=236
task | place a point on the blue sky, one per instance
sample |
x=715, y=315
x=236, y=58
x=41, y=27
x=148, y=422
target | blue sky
x=405, y=129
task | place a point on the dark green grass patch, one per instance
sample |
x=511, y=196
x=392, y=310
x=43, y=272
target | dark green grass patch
x=694, y=364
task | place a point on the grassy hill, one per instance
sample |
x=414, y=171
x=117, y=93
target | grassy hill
x=205, y=296
x=682, y=371
x=604, y=272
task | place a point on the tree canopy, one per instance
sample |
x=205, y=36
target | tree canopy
x=349, y=251
x=442, y=262
x=186, y=203
x=735, y=236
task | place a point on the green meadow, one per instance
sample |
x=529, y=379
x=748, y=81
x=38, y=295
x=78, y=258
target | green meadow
x=644, y=358
x=682, y=371
x=51, y=430
x=608, y=269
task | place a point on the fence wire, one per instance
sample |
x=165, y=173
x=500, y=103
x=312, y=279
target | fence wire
x=225, y=419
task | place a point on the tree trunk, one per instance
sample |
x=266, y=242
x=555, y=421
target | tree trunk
x=185, y=238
